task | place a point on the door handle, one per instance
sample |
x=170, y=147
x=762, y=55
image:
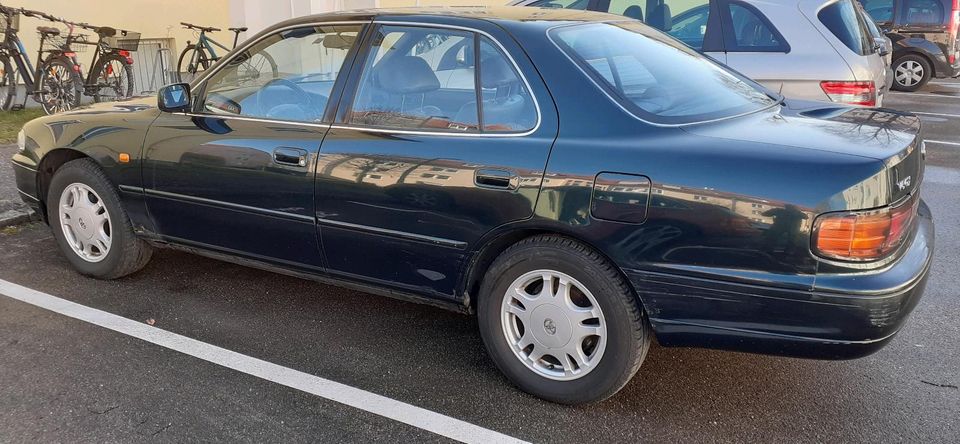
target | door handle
x=496, y=179
x=290, y=156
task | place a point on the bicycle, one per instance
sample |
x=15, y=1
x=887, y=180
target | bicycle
x=196, y=58
x=110, y=76
x=55, y=83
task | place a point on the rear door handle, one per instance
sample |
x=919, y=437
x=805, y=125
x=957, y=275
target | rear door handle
x=496, y=179
x=290, y=156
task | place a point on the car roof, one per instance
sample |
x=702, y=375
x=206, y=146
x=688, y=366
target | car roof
x=500, y=14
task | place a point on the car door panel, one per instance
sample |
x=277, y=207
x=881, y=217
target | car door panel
x=215, y=182
x=407, y=206
x=237, y=173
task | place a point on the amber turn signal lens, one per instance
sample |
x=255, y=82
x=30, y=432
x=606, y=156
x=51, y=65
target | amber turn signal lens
x=864, y=235
x=124, y=158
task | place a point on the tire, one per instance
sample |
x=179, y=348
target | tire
x=60, y=84
x=614, y=358
x=8, y=83
x=911, y=72
x=114, y=79
x=187, y=72
x=254, y=67
x=125, y=252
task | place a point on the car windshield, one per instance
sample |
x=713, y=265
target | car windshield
x=655, y=77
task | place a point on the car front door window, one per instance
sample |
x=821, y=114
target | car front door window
x=286, y=76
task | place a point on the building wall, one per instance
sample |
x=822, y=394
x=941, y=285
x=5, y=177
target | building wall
x=152, y=18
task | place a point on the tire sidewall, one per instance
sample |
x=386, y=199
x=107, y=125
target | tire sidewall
x=10, y=76
x=616, y=364
x=81, y=171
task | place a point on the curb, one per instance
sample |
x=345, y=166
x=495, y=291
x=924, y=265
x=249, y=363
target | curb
x=16, y=217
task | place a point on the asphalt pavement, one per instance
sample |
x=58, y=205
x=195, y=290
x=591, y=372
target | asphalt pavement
x=66, y=379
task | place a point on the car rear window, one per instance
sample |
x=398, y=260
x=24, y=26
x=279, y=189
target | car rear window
x=654, y=76
x=924, y=12
x=842, y=20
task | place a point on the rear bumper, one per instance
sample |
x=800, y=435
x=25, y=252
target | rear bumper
x=845, y=316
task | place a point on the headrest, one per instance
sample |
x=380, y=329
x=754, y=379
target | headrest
x=660, y=17
x=495, y=72
x=406, y=75
x=635, y=12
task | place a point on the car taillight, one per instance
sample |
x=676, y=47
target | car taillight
x=954, y=24
x=863, y=235
x=853, y=93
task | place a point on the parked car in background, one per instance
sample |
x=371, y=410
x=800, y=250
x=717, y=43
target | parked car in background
x=805, y=49
x=925, y=38
x=589, y=185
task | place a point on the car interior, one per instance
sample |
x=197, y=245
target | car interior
x=404, y=88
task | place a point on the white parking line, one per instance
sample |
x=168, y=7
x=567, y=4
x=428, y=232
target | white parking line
x=361, y=399
x=935, y=114
x=907, y=94
x=942, y=142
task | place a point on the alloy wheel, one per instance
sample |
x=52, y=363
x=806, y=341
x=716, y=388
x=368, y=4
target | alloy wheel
x=85, y=222
x=553, y=325
x=909, y=73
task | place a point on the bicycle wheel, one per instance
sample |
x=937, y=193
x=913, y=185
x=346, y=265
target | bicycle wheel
x=256, y=67
x=114, y=79
x=8, y=83
x=60, y=85
x=193, y=62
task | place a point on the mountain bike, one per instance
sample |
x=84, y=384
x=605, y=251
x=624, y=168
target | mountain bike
x=197, y=58
x=55, y=83
x=110, y=76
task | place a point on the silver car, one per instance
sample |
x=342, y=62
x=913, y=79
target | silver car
x=805, y=49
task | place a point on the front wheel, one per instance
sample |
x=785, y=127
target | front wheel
x=192, y=63
x=60, y=85
x=560, y=322
x=114, y=79
x=89, y=224
x=8, y=83
x=911, y=72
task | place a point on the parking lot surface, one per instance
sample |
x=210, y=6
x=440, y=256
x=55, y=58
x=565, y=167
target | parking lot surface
x=66, y=379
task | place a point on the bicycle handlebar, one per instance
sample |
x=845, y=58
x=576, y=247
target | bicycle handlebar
x=200, y=28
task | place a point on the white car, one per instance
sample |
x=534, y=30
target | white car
x=804, y=49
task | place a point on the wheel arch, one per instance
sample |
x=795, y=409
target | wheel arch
x=499, y=241
x=48, y=166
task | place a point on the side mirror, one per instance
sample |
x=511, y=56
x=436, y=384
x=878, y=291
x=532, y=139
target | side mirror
x=880, y=45
x=174, y=98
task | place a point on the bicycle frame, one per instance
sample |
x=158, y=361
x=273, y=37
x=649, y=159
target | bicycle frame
x=208, y=43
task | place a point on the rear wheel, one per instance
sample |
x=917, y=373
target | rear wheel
x=192, y=63
x=90, y=225
x=560, y=322
x=911, y=72
x=114, y=79
x=60, y=85
x=8, y=83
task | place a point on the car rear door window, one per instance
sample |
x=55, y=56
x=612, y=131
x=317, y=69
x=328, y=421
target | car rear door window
x=285, y=76
x=425, y=79
x=506, y=105
x=750, y=31
x=842, y=20
x=922, y=12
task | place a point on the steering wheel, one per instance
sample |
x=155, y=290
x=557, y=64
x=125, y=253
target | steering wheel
x=305, y=104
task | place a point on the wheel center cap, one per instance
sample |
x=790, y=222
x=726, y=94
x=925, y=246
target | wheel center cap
x=85, y=227
x=550, y=326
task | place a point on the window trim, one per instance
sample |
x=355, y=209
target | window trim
x=627, y=110
x=350, y=91
x=730, y=34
